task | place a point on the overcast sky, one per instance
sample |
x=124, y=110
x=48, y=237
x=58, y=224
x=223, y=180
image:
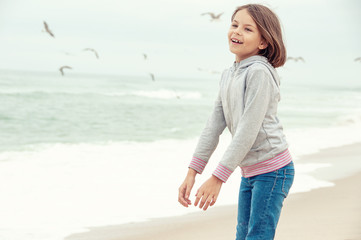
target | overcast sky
x=174, y=35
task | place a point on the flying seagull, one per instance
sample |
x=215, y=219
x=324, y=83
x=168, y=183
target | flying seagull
x=91, y=49
x=62, y=67
x=48, y=30
x=296, y=59
x=214, y=17
x=358, y=59
x=145, y=56
x=152, y=76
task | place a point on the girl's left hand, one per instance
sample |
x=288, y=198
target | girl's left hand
x=208, y=192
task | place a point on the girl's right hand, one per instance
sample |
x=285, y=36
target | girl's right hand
x=186, y=187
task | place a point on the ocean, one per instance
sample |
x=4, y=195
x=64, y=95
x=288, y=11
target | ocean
x=93, y=150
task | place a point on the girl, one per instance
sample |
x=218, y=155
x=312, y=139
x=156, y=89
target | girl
x=247, y=106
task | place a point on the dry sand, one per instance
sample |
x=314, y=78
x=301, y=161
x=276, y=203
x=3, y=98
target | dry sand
x=332, y=213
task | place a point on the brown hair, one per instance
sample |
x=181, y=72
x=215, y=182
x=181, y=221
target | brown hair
x=270, y=28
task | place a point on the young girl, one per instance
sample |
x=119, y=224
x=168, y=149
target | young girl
x=247, y=105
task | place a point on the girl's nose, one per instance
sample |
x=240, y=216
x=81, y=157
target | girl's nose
x=236, y=32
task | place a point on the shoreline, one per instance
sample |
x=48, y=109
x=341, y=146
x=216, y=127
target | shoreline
x=331, y=213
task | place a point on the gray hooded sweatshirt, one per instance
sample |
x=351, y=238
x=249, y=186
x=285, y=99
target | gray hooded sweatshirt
x=247, y=106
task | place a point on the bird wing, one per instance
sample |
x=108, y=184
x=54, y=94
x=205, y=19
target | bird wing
x=219, y=15
x=48, y=30
x=93, y=50
x=209, y=13
x=152, y=76
x=96, y=54
x=46, y=26
x=357, y=59
x=62, y=67
x=62, y=71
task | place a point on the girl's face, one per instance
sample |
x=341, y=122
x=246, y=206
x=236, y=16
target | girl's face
x=244, y=37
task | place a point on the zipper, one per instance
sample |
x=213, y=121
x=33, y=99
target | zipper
x=229, y=100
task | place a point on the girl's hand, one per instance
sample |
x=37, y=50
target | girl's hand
x=208, y=192
x=186, y=187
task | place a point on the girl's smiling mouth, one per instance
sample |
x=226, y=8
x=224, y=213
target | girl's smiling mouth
x=236, y=41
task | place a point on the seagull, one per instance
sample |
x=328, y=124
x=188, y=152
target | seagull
x=152, y=76
x=91, y=49
x=358, y=59
x=62, y=67
x=48, y=30
x=214, y=17
x=296, y=59
x=145, y=56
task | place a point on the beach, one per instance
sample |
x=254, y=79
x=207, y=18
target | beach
x=94, y=147
x=99, y=150
x=332, y=213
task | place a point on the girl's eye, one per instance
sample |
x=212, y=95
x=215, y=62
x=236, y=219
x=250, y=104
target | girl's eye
x=234, y=25
x=248, y=30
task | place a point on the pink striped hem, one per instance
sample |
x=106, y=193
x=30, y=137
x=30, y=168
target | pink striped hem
x=198, y=164
x=267, y=166
x=222, y=173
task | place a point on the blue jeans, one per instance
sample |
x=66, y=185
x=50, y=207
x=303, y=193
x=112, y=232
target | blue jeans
x=260, y=203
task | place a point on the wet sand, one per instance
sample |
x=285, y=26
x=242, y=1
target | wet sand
x=330, y=213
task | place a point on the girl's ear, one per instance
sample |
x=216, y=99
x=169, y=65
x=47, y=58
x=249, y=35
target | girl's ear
x=263, y=45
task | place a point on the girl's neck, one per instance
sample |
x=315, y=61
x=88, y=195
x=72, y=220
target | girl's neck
x=238, y=60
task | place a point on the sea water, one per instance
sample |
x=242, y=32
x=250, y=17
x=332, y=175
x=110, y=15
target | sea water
x=90, y=150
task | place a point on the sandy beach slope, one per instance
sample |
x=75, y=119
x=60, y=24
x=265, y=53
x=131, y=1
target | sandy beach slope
x=331, y=213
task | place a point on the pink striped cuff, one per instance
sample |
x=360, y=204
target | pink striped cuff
x=198, y=164
x=267, y=166
x=222, y=173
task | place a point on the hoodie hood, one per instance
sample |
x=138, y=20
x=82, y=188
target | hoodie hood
x=257, y=59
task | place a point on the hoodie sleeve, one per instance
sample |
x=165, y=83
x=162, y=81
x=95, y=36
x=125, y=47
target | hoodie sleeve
x=258, y=95
x=209, y=138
